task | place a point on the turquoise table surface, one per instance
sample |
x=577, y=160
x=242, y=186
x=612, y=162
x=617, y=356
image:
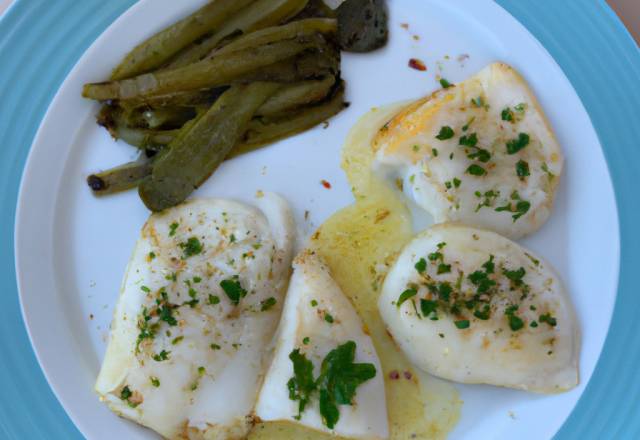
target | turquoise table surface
x=41, y=40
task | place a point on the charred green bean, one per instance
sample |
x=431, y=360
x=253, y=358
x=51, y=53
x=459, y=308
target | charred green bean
x=191, y=158
x=158, y=49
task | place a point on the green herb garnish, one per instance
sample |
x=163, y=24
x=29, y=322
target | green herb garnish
x=443, y=268
x=476, y=170
x=173, y=228
x=234, y=290
x=267, y=304
x=162, y=356
x=522, y=169
x=469, y=141
x=427, y=307
x=462, y=324
x=520, y=209
x=406, y=295
x=482, y=155
x=191, y=247
x=445, y=133
x=548, y=319
x=515, y=145
x=445, y=84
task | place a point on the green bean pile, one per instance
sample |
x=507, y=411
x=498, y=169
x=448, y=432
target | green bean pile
x=227, y=79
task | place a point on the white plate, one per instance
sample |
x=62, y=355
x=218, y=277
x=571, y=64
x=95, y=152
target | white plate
x=72, y=249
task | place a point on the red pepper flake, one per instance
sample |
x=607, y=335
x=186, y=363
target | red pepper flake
x=417, y=64
x=326, y=184
x=407, y=375
x=404, y=25
x=394, y=375
x=91, y=316
x=415, y=37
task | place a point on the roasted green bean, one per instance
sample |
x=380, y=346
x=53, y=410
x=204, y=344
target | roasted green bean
x=225, y=65
x=155, y=51
x=191, y=158
x=120, y=178
x=256, y=16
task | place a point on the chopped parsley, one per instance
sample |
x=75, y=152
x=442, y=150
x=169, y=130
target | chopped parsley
x=536, y=262
x=176, y=340
x=165, y=314
x=469, y=141
x=514, y=195
x=435, y=256
x=421, y=265
x=173, y=228
x=443, y=268
x=533, y=324
x=515, y=275
x=155, y=382
x=202, y=370
x=416, y=148
x=448, y=185
x=434, y=152
x=481, y=315
x=462, y=324
x=456, y=182
x=162, y=356
x=126, y=393
x=515, y=145
x=338, y=380
x=476, y=170
x=193, y=303
x=305, y=341
x=546, y=170
x=477, y=102
x=215, y=347
x=314, y=303
x=328, y=318
x=466, y=127
x=267, y=304
x=482, y=155
x=234, y=290
x=548, y=319
x=427, y=306
x=302, y=384
x=197, y=279
x=520, y=209
x=445, y=133
x=522, y=169
x=515, y=323
x=191, y=247
x=520, y=107
x=145, y=289
x=480, y=205
x=152, y=255
x=406, y=295
x=173, y=277
x=506, y=115
x=232, y=238
x=445, y=84
x=214, y=299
